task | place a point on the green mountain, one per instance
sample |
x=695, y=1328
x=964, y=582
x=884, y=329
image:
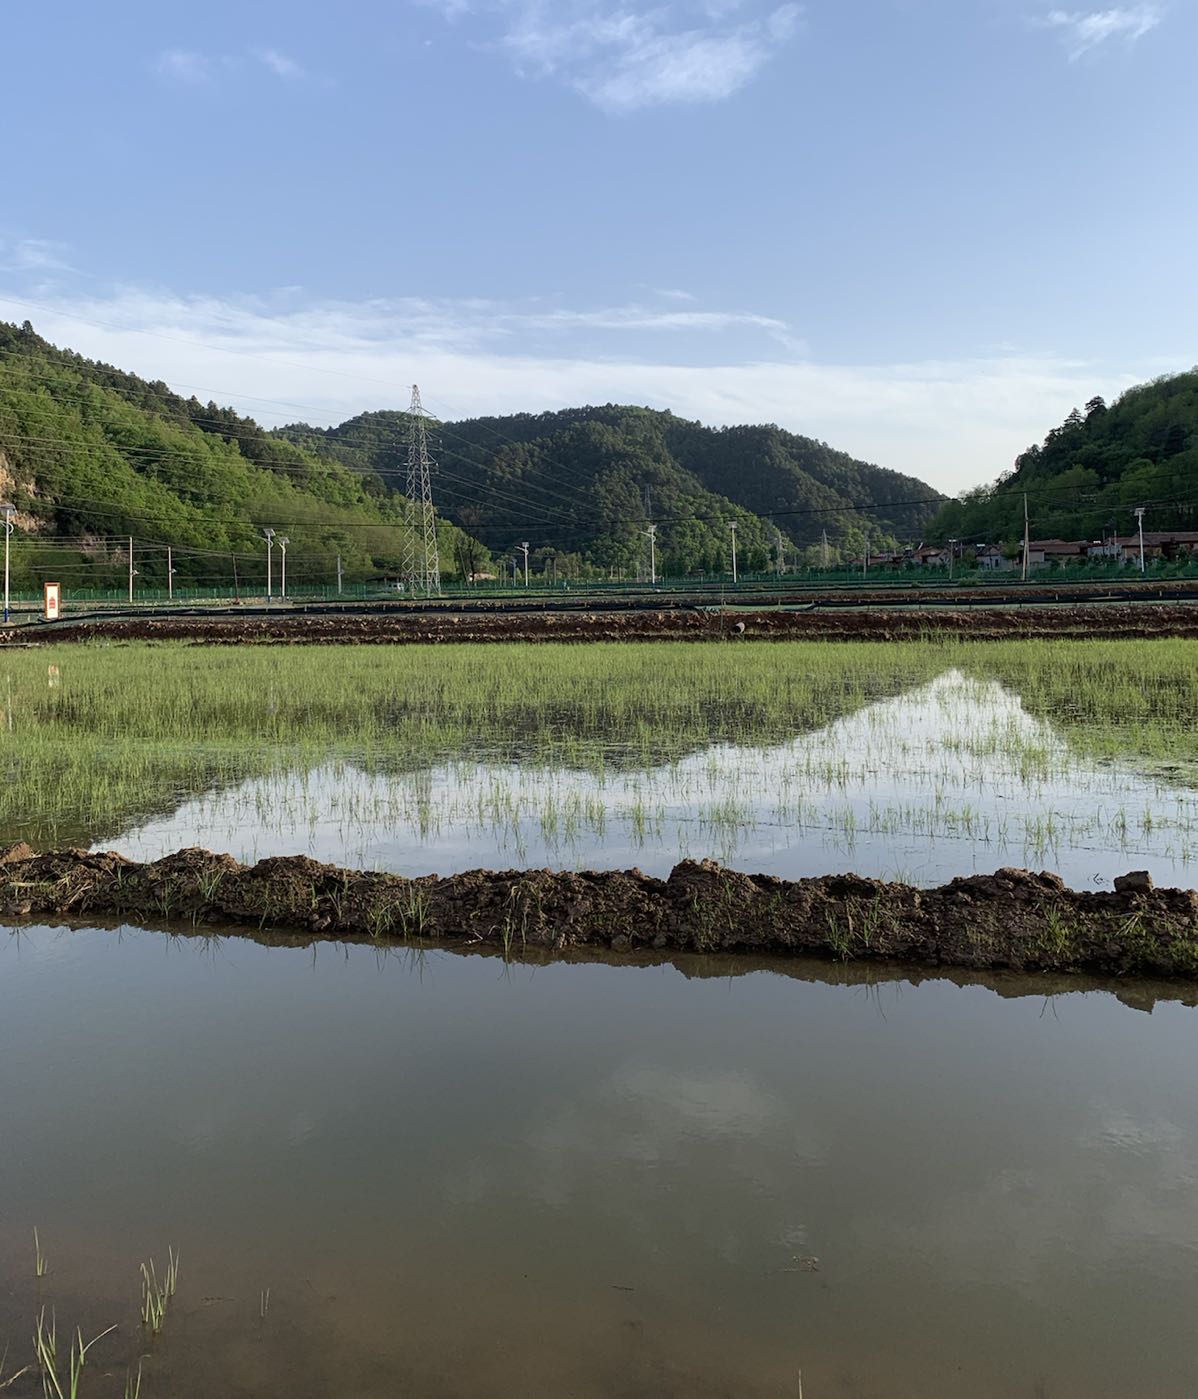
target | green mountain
x=91, y=456
x=583, y=485
x=1087, y=476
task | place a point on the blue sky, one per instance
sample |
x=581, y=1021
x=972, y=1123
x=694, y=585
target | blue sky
x=921, y=230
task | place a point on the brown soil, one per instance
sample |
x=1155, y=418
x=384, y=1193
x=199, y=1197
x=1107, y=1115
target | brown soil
x=1011, y=919
x=1110, y=620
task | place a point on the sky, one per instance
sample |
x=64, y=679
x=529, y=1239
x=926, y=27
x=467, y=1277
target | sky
x=919, y=230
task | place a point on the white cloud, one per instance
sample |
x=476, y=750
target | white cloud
x=184, y=66
x=279, y=64
x=192, y=69
x=953, y=423
x=624, y=59
x=33, y=255
x=1081, y=30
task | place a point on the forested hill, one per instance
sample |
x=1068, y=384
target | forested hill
x=585, y=483
x=1088, y=475
x=91, y=455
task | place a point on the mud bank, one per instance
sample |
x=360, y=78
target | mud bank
x=1110, y=620
x=1013, y=919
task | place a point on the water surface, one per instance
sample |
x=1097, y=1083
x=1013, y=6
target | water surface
x=460, y=1178
x=948, y=778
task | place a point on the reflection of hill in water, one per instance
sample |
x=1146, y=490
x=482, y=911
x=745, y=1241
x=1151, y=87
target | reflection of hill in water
x=946, y=778
x=213, y=941
x=911, y=746
x=563, y=737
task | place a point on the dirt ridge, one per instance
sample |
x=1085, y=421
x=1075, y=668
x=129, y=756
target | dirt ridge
x=1109, y=620
x=1013, y=919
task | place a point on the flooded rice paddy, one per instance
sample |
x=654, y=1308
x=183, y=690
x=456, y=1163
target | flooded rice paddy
x=953, y=776
x=400, y=1172
x=460, y=1178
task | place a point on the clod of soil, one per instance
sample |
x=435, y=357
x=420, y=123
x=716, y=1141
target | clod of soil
x=1011, y=919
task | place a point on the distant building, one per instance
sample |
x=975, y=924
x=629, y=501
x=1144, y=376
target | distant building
x=993, y=560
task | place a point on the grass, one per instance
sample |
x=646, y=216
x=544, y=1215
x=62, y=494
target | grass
x=128, y=732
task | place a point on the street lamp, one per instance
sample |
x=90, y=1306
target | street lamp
x=8, y=508
x=283, y=543
x=524, y=547
x=269, y=536
x=1138, y=512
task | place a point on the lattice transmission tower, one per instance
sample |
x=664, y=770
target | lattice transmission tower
x=421, y=559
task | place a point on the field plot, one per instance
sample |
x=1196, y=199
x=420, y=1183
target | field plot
x=912, y=762
x=394, y=1170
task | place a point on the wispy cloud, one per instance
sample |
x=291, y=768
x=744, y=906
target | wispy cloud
x=184, y=66
x=279, y=64
x=189, y=68
x=624, y=58
x=33, y=255
x=952, y=423
x=1082, y=30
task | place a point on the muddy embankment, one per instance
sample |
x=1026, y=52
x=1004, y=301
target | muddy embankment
x=1110, y=620
x=1012, y=919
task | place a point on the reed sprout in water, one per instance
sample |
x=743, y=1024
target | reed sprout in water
x=155, y=1295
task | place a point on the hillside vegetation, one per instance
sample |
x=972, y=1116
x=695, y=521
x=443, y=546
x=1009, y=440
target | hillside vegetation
x=585, y=483
x=91, y=455
x=1088, y=475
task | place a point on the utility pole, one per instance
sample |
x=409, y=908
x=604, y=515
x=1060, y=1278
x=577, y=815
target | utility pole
x=652, y=533
x=865, y=559
x=952, y=554
x=422, y=559
x=269, y=536
x=825, y=551
x=781, y=552
x=1138, y=512
x=338, y=573
x=131, y=568
x=283, y=543
x=1026, y=540
x=8, y=508
x=524, y=546
x=732, y=527
x=170, y=576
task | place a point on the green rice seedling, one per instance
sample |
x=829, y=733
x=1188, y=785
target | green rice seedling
x=39, y=1258
x=156, y=1296
x=264, y=1304
x=133, y=1384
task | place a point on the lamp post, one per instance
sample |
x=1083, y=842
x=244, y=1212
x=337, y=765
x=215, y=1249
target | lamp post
x=283, y=543
x=7, y=507
x=1138, y=512
x=652, y=532
x=269, y=536
x=524, y=547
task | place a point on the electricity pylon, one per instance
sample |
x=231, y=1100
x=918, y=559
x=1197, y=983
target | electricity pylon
x=421, y=559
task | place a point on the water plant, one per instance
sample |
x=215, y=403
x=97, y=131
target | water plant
x=155, y=1295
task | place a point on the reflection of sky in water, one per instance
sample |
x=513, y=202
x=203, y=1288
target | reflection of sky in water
x=950, y=778
x=461, y=1179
